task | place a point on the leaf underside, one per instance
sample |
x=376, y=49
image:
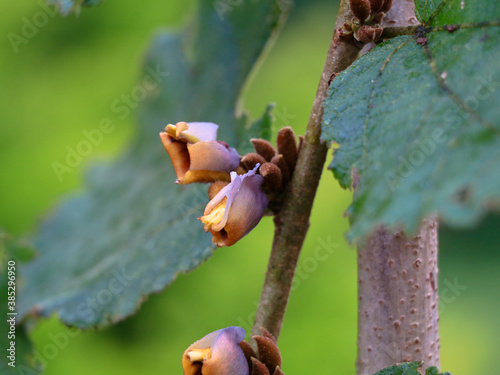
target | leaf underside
x=419, y=123
x=134, y=230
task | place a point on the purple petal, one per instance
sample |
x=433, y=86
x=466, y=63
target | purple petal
x=227, y=357
x=230, y=192
x=212, y=156
x=246, y=210
x=204, y=131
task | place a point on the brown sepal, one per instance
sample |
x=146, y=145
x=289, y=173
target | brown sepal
x=278, y=371
x=386, y=7
x=248, y=351
x=268, y=334
x=272, y=176
x=281, y=163
x=214, y=188
x=264, y=148
x=269, y=353
x=301, y=142
x=287, y=146
x=361, y=9
x=204, y=176
x=378, y=17
x=258, y=368
x=251, y=159
x=368, y=34
x=178, y=153
x=376, y=5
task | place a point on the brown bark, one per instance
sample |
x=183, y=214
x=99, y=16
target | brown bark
x=398, y=299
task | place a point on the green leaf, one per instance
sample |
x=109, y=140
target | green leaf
x=134, y=230
x=407, y=368
x=450, y=12
x=12, y=253
x=419, y=125
x=435, y=371
x=67, y=6
x=424, y=9
x=260, y=128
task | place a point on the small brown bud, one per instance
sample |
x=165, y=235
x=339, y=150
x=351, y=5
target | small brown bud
x=378, y=17
x=264, y=148
x=258, y=368
x=269, y=353
x=215, y=188
x=251, y=159
x=281, y=163
x=422, y=41
x=301, y=142
x=272, y=176
x=248, y=351
x=367, y=34
x=386, y=7
x=287, y=146
x=278, y=371
x=268, y=334
x=360, y=8
x=376, y=5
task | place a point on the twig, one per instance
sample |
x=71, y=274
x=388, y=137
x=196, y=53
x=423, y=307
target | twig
x=292, y=222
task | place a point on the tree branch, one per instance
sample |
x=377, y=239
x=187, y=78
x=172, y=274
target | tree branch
x=292, y=222
x=398, y=299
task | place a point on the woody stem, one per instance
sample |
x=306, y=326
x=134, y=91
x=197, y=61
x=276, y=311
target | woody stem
x=292, y=221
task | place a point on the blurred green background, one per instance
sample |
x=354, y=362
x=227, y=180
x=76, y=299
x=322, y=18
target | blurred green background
x=64, y=79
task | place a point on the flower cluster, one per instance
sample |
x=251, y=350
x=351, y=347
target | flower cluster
x=366, y=26
x=242, y=188
x=224, y=352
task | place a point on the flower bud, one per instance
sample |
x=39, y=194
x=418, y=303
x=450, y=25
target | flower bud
x=195, y=153
x=376, y=5
x=287, y=146
x=368, y=34
x=236, y=209
x=263, y=148
x=251, y=159
x=361, y=9
x=387, y=6
x=272, y=176
x=218, y=353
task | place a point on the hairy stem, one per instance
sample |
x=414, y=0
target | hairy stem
x=292, y=222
